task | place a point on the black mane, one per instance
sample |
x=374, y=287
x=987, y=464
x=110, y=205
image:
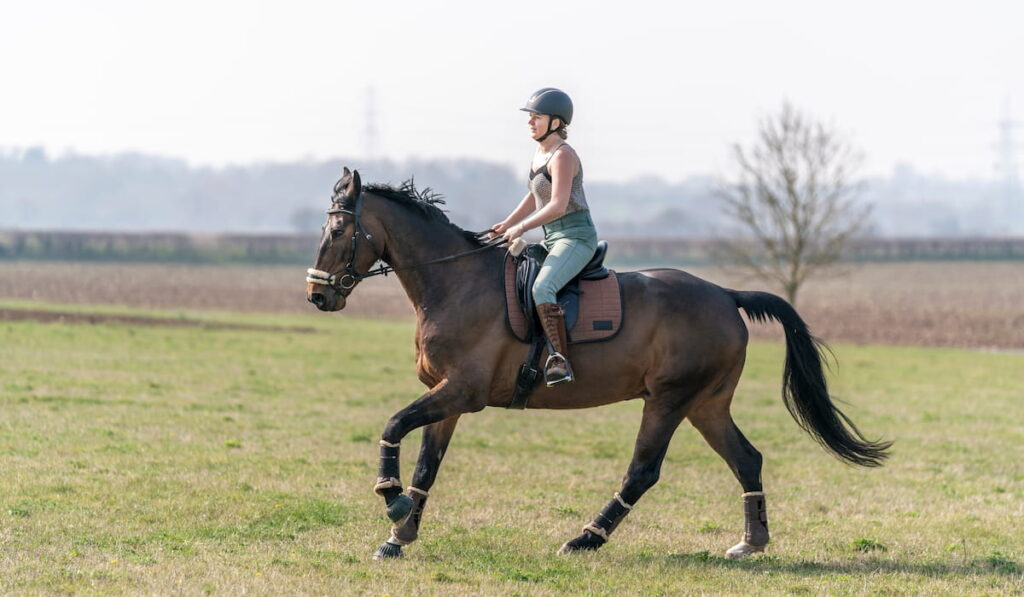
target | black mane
x=422, y=201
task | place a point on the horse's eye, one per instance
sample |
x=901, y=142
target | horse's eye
x=335, y=233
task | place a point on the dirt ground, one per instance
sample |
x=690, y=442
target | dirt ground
x=49, y=315
x=962, y=304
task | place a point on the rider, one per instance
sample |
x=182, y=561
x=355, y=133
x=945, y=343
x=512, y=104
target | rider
x=557, y=202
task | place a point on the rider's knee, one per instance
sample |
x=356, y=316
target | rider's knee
x=543, y=293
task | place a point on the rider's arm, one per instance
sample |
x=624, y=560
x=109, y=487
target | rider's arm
x=561, y=168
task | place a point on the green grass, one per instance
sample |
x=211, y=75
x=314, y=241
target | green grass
x=193, y=460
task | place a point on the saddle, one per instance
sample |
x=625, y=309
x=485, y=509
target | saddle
x=592, y=302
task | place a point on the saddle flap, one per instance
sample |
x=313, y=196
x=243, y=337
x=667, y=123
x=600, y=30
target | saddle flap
x=600, y=310
x=515, y=307
x=593, y=307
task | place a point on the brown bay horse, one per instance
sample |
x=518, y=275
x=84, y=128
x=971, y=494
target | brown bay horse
x=681, y=349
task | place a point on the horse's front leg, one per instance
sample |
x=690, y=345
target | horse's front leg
x=443, y=401
x=435, y=443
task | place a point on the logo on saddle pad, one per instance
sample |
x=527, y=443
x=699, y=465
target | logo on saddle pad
x=592, y=300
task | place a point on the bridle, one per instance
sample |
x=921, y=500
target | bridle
x=350, y=277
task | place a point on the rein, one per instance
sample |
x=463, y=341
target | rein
x=350, y=277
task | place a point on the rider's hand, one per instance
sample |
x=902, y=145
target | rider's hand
x=513, y=233
x=499, y=229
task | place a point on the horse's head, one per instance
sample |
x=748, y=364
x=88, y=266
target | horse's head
x=347, y=247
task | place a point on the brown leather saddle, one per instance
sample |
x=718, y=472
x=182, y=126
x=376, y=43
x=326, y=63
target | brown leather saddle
x=592, y=302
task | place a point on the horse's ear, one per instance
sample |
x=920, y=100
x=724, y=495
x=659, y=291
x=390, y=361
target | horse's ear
x=354, y=187
x=346, y=177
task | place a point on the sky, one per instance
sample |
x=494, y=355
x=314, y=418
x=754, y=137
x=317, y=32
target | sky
x=661, y=89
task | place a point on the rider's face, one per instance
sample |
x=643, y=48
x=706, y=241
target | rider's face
x=538, y=124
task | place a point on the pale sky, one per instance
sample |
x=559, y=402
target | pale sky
x=660, y=88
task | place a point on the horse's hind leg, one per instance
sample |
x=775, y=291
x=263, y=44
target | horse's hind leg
x=435, y=443
x=660, y=421
x=716, y=425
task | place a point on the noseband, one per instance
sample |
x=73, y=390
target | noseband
x=349, y=277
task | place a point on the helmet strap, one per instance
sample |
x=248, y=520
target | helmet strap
x=550, y=130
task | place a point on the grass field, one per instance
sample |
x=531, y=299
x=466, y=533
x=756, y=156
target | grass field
x=199, y=459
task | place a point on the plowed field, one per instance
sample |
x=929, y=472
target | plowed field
x=962, y=304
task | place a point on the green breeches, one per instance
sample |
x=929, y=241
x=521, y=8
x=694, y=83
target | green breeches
x=571, y=241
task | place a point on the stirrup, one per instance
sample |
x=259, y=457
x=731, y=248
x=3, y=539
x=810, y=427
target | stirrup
x=554, y=381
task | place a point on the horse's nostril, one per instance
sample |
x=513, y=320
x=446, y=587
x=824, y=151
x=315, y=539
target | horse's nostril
x=317, y=299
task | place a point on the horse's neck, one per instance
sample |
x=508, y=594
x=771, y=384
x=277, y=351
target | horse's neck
x=438, y=287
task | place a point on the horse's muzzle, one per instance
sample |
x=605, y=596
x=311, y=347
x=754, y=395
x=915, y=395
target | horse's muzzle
x=325, y=298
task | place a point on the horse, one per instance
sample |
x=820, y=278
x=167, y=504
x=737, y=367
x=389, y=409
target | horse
x=681, y=350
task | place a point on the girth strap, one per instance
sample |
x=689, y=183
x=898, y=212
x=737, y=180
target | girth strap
x=529, y=374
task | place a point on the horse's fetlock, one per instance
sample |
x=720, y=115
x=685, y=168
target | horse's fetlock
x=755, y=515
x=390, y=493
x=610, y=517
x=407, y=530
x=399, y=507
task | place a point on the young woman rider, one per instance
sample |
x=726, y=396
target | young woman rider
x=557, y=202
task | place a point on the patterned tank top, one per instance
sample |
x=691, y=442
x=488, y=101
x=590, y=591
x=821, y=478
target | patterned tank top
x=540, y=185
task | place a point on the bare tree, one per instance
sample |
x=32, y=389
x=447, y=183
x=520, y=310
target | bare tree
x=793, y=196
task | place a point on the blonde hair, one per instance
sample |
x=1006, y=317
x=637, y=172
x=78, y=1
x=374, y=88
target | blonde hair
x=563, y=129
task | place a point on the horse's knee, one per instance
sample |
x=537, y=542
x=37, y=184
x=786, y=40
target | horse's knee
x=391, y=430
x=402, y=422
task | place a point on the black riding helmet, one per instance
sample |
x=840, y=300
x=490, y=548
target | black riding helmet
x=553, y=102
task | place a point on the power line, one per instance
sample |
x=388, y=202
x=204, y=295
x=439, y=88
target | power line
x=1006, y=149
x=1011, y=205
x=370, y=132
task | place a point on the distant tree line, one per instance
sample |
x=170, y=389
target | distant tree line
x=299, y=249
x=138, y=192
x=141, y=192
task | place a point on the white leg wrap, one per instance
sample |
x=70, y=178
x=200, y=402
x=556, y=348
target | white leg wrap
x=593, y=528
x=383, y=484
x=755, y=527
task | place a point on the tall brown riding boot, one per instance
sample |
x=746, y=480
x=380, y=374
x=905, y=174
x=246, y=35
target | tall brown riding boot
x=556, y=369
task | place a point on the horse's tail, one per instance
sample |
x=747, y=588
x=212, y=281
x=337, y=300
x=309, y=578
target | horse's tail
x=804, y=389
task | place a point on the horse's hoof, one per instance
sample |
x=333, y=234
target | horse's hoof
x=742, y=550
x=388, y=551
x=399, y=507
x=586, y=542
